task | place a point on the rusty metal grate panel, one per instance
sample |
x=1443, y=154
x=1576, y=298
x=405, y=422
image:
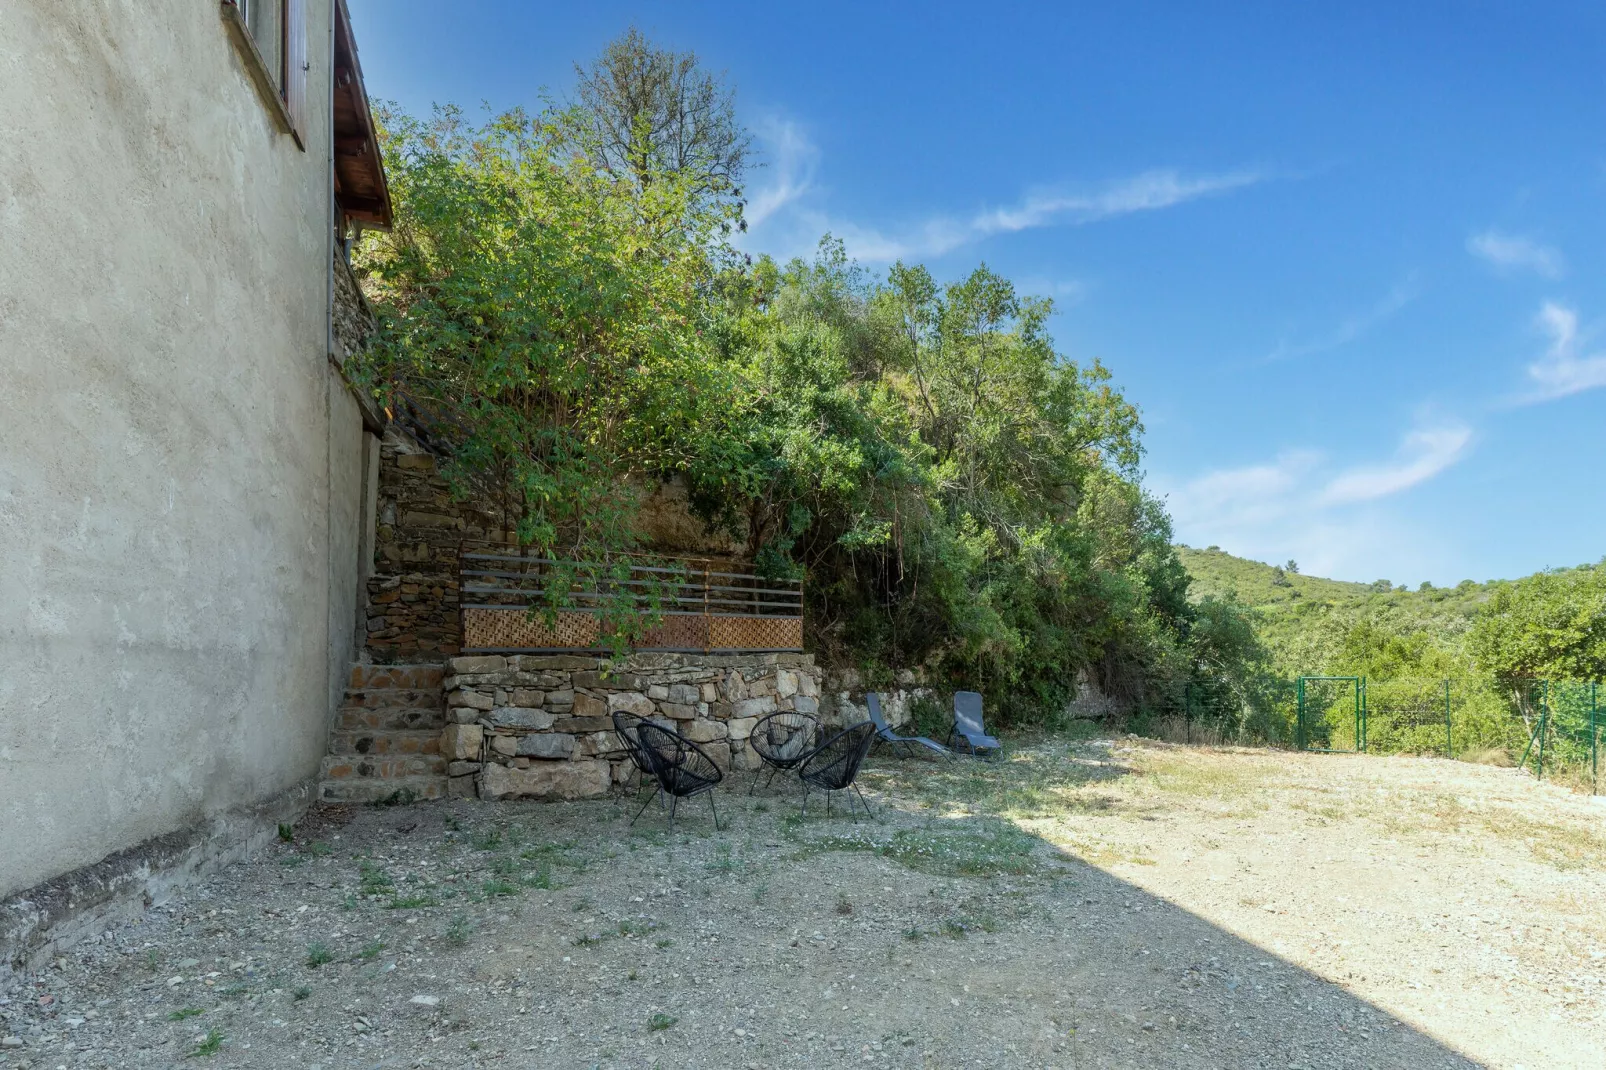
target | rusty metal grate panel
x=756, y=633
x=514, y=629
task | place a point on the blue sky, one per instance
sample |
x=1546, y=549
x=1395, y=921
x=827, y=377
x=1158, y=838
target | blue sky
x=1349, y=263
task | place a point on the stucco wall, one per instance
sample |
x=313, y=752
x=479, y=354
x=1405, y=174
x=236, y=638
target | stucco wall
x=177, y=459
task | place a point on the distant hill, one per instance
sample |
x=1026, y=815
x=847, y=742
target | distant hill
x=1302, y=617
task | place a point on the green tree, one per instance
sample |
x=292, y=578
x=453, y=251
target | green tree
x=547, y=335
x=645, y=112
x=1549, y=625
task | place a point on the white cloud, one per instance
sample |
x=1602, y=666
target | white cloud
x=1513, y=252
x=1328, y=517
x=783, y=208
x=1423, y=455
x=794, y=158
x=1564, y=369
x=1403, y=293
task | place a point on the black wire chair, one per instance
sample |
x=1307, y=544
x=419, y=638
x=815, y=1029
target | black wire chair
x=781, y=741
x=681, y=767
x=834, y=765
x=624, y=726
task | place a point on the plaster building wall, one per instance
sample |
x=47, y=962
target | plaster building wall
x=181, y=467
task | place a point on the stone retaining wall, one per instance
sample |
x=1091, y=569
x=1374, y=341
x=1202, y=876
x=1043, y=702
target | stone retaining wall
x=541, y=726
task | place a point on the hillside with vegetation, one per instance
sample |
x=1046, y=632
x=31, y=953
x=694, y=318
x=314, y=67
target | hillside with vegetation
x=1303, y=619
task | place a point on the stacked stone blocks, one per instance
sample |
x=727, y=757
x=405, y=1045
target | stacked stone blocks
x=541, y=725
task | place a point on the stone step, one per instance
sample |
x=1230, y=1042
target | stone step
x=365, y=677
x=389, y=718
x=360, y=767
x=367, y=698
x=393, y=742
x=398, y=790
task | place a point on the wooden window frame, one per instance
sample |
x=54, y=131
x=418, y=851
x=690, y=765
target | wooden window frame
x=284, y=93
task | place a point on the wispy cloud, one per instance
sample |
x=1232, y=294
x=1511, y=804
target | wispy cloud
x=792, y=159
x=1564, y=368
x=1403, y=293
x=1424, y=454
x=1147, y=192
x=1327, y=516
x=785, y=209
x=1513, y=252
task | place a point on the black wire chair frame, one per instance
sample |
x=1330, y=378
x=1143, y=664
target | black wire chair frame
x=624, y=726
x=681, y=767
x=782, y=741
x=834, y=766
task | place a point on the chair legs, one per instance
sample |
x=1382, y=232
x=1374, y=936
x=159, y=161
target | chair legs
x=714, y=808
x=646, y=804
x=865, y=801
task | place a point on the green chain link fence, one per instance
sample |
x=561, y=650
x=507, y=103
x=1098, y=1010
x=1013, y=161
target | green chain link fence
x=1555, y=724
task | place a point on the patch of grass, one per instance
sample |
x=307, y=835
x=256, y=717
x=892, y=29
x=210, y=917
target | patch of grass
x=631, y=976
x=505, y=867
x=185, y=1012
x=233, y=991
x=349, y=903
x=722, y=862
x=319, y=849
x=493, y=889
x=371, y=950
x=565, y=854
x=153, y=959
x=412, y=902
x=318, y=954
x=458, y=930
x=761, y=808
x=636, y=927
x=540, y=878
x=375, y=881
x=660, y=1021
x=978, y=847
x=291, y=861
x=954, y=929
x=451, y=823
x=844, y=905
x=210, y=1046
x=580, y=904
x=301, y=993
x=914, y=934
x=486, y=839
x=760, y=891
x=589, y=939
x=664, y=943
x=287, y=833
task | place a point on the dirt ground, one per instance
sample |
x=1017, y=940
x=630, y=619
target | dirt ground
x=1108, y=903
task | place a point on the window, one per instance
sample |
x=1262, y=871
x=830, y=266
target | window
x=272, y=35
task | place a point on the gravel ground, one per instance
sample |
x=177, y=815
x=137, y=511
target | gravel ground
x=1109, y=903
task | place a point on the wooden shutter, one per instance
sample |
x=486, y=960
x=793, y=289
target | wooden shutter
x=295, y=66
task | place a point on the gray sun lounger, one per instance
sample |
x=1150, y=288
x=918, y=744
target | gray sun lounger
x=968, y=725
x=885, y=734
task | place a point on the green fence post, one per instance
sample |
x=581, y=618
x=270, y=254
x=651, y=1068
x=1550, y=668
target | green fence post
x=1449, y=743
x=1360, y=716
x=1544, y=722
x=1299, y=717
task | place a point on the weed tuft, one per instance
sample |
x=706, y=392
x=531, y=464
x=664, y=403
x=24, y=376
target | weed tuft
x=660, y=1021
x=318, y=954
x=208, y=1047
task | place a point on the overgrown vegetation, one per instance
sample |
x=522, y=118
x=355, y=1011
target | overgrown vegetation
x=562, y=313
x=1505, y=647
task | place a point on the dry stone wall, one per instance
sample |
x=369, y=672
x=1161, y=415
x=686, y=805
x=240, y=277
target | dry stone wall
x=420, y=530
x=540, y=726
